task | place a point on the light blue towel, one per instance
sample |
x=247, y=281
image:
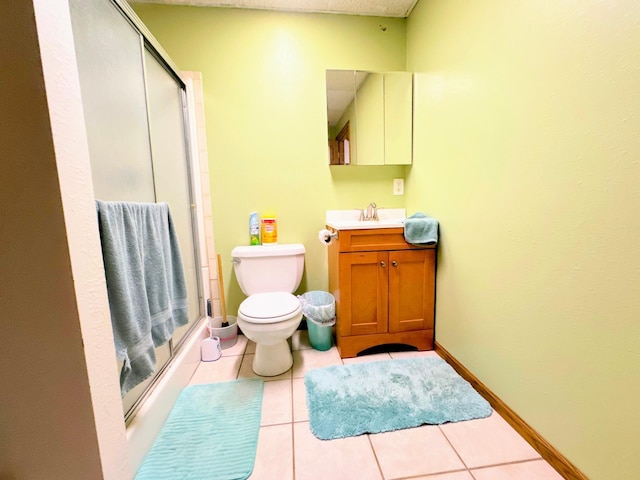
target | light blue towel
x=420, y=229
x=145, y=283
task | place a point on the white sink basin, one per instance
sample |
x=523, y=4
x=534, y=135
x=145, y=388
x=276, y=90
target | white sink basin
x=347, y=225
x=349, y=219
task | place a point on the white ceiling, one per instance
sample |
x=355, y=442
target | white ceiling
x=377, y=8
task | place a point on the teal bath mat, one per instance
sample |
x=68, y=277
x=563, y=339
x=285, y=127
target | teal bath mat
x=211, y=433
x=349, y=400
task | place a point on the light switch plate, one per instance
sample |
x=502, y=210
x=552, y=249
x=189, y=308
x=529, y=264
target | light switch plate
x=398, y=186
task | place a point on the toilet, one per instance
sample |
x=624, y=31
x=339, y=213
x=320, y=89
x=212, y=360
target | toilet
x=270, y=314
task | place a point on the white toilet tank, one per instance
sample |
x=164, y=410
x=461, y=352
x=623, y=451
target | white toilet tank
x=272, y=268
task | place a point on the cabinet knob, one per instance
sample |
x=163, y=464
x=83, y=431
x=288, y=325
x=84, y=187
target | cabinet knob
x=394, y=263
x=383, y=264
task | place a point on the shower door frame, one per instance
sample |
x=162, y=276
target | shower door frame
x=148, y=44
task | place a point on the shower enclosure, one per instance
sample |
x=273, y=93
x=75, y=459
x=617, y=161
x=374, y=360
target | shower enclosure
x=135, y=109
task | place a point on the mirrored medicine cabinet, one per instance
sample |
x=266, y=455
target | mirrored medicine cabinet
x=369, y=117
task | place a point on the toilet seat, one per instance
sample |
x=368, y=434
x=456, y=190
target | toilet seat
x=269, y=307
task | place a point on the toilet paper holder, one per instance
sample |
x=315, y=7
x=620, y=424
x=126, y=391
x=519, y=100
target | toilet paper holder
x=327, y=236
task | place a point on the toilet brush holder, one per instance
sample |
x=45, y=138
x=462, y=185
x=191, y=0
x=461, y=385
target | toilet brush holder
x=228, y=335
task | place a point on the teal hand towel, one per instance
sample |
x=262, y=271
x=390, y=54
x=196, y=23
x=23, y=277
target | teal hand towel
x=421, y=229
x=145, y=283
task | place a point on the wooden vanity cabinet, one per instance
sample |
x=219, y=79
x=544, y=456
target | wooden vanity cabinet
x=384, y=289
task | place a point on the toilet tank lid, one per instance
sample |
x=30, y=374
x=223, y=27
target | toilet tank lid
x=268, y=250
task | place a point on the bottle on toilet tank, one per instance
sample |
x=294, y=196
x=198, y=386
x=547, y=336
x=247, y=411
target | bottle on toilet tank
x=254, y=229
x=269, y=229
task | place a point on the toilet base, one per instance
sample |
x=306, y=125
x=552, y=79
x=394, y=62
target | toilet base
x=271, y=360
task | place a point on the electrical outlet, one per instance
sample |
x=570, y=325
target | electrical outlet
x=398, y=186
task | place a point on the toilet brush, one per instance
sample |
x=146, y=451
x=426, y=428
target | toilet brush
x=223, y=305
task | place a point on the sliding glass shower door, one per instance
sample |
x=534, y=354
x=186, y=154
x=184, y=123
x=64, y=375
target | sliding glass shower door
x=167, y=113
x=110, y=53
x=134, y=107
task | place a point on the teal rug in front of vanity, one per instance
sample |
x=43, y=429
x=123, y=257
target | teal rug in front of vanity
x=212, y=432
x=382, y=396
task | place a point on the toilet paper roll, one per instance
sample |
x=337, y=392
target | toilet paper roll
x=326, y=236
x=210, y=350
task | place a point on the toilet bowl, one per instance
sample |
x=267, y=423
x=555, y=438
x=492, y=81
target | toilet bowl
x=271, y=313
x=269, y=319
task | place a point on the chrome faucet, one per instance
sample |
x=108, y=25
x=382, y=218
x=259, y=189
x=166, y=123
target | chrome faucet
x=369, y=213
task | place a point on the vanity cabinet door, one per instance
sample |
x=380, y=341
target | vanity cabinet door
x=411, y=290
x=363, y=279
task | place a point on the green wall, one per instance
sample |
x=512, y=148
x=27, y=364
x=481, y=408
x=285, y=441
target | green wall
x=526, y=149
x=265, y=110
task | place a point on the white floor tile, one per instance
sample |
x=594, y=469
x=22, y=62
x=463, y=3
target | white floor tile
x=464, y=475
x=300, y=409
x=222, y=370
x=487, y=441
x=277, y=404
x=534, y=470
x=414, y=451
x=305, y=360
x=274, y=458
x=345, y=458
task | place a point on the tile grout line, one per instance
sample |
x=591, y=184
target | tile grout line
x=454, y=448
x=375, y=456
x=503, y=464
x=293, y=452
x=434, y=474
x=241, y=362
